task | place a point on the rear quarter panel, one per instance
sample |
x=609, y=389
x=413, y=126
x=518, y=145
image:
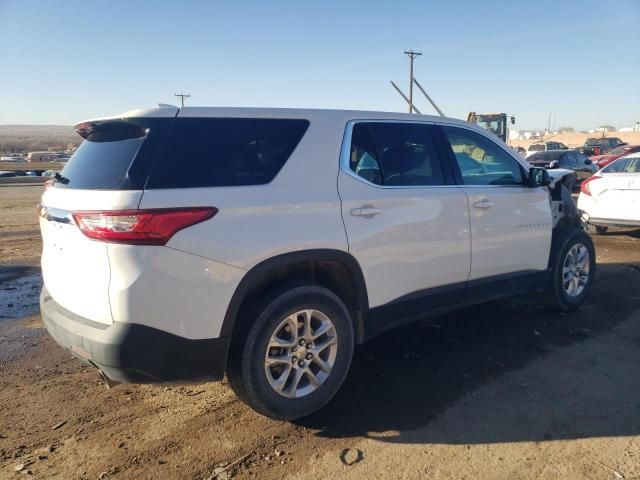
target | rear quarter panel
x=298, y=210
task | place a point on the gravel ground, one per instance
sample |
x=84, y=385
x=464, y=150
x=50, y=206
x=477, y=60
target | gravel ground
x=508, y=390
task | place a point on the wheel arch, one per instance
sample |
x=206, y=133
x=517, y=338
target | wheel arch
x=335, y=269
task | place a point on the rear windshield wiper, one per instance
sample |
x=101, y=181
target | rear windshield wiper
x=59, y=178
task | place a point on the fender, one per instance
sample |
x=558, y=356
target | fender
x=255, y=275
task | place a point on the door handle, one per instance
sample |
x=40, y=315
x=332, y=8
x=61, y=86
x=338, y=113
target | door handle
x=365, y=211
x=484, y=203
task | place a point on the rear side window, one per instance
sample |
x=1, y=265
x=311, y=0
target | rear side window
x=115, y=155
x=220, y=152
x=537, y=148
x=395, y=154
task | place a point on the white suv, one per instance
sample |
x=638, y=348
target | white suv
x=183, y=244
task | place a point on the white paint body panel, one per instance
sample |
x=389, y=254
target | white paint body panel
x=173, y=291
x=514, y=234
x=614, y=196
x=420, y=240
x=76, y=269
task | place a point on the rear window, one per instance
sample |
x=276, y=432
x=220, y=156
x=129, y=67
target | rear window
x=537, y=148
x=220, y=152
x=598, y=142
x=115, y=155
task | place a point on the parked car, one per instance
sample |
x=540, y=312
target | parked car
x=600, y=146
x=13, y=158
x=568, y=159
x=612, y=196
x=43, y=156
x=611, y=155
x=7, y=174
x=180, y=244
x=543, y=147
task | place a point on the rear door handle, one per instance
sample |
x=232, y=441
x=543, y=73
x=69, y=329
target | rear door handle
x=365, y=211
x=484, y=203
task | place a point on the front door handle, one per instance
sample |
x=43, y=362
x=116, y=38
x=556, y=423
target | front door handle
x=484, y=203
x=365, y=211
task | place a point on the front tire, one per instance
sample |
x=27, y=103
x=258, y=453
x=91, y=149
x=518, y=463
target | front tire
x=292, y=353
x=573, y=266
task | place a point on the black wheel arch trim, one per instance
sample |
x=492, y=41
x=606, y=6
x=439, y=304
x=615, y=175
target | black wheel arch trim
x=254, y=276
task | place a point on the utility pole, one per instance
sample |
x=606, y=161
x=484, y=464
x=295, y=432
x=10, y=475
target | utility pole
x=412, y=55
x=182, y=97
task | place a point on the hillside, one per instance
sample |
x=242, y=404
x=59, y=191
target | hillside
x=26, y=138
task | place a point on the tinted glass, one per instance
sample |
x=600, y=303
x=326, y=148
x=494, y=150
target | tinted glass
x=100, y=165
x=115, y=154
x=395, y=154
x=623, y=165
x=538, y=147
x=618, y=150
x=544, y=156
x=566, y=161
x=220, y=152
x=481, y=161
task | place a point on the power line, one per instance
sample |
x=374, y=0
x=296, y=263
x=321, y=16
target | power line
x=412, y=55
x=182, y=97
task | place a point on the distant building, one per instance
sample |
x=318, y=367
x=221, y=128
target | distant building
x=606, y=128
x=635, y=128
x=566, y=130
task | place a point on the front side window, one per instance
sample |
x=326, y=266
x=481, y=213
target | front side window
x=395, y=154
x=481, y=161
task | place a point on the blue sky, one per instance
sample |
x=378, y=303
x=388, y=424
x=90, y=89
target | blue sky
x=64, y=61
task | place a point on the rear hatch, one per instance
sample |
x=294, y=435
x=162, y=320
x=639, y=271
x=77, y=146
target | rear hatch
x=106, y=173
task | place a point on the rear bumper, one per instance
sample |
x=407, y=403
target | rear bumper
x=134, y=353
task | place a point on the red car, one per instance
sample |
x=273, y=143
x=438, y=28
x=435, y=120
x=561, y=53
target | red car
x=611, y=155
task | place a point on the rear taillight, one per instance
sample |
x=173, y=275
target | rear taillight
x=140, y=227
x=585, y=186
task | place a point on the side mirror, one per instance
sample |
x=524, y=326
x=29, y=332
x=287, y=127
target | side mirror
x=554, y=164
x=538, y=177
x=588, y=162
x=513, y=120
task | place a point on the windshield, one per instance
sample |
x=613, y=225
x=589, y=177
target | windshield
x=494, y=125
x=618, y=151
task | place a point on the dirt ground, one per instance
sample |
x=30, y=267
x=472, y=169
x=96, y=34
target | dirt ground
x=506, y=391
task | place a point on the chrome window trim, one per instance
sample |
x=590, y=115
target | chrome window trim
x=345, y=150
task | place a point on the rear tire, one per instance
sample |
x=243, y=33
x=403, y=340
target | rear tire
x=286, y=381
x=573, y=266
